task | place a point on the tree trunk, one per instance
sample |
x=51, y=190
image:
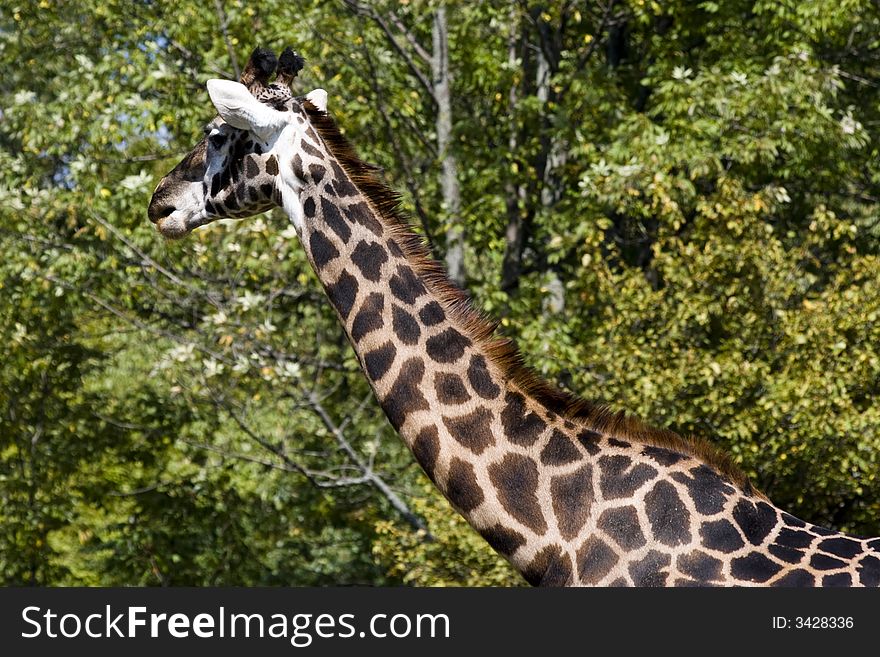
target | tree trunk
x=449, y=164
x=555, y=156
x=514, y=191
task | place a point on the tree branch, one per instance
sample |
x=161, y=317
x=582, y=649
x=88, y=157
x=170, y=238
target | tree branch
x=373, y=15
x=409, y=179
x=375, y=480
x=585, y=56
x=411, y=39
x=224, y=29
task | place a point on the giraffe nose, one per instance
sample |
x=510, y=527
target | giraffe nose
x=158, y=209
x=156, y=212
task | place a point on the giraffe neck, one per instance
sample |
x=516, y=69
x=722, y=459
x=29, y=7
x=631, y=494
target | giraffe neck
x=568, y=493
x=434, y=370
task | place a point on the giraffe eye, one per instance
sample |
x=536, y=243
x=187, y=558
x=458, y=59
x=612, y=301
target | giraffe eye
x=217, y=139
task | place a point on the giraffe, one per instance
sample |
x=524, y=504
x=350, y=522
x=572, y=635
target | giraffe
x=569, y=492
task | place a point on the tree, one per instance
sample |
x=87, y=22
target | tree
x=697, y=182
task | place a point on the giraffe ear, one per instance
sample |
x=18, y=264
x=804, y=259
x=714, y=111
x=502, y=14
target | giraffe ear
x=318, y=98
x=238, y=107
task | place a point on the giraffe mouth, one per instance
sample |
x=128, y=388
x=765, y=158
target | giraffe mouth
x=178, y=225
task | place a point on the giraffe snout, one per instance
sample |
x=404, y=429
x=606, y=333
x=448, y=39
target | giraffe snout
x=160, y=207
x=158, y=211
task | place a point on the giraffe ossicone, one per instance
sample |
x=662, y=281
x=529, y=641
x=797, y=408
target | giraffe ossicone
x=569, y=492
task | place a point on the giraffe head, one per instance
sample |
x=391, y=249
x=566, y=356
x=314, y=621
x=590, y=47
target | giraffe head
x=242, y=166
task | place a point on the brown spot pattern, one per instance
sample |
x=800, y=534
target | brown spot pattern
x=590, y=441
x=559, y=450
x=521, y=426
x=622, y=526
x=621, y=478
x=572, y=496
x=343, y=293
x=515, y=478
x=447, y=347
x=337, y=224
x=502, y=539
x=379, y=361
x=369, y=258
x=472, y=430
x=426, y=448
x=478, y=375
x=322, y=249
x=559, y=572
x=405, y=397
x=369, y=317
x=359, y=213
x=650, y=570
x=462, y=488
x=432, y=314
x=667, y=514
x=405, y=326
x=405, y=285
x=540, y=564
x=450, y=389
x=595, y=560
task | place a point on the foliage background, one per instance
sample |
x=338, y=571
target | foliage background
x=673, y=206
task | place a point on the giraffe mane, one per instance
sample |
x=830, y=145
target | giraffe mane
x=501, y=350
